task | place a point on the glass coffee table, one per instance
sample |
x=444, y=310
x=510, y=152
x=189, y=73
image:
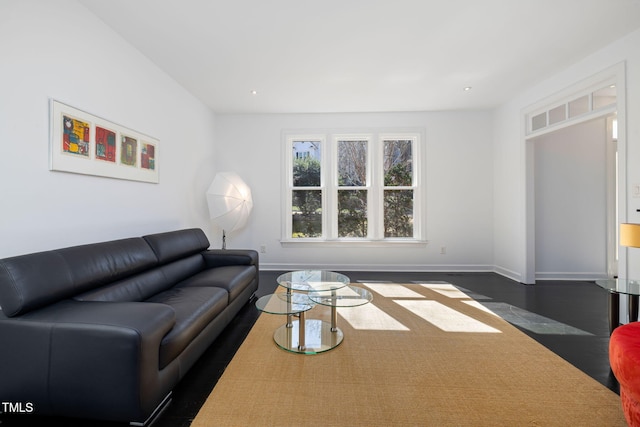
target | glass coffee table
x=311, y=280
x=305, y=289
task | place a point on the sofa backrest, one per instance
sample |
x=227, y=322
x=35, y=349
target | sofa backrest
x=119, y=270
x=179, y=256
x=135, y=288
x=143, y=286
x=32, y=281
x=174, y=245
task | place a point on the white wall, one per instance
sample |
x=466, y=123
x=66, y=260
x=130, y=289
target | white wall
x=57, y=49
x=476, y=189
x=458, y=190
x=509, y=153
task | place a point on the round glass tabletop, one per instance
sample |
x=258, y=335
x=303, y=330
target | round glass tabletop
x=284, y=303
x=312, y=280
x=620, y=286
x=348, y=296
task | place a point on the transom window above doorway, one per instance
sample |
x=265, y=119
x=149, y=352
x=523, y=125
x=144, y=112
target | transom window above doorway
x=600, y=97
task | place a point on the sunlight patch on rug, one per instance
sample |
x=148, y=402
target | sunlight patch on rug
x=445, y=318
x=516, y=316
x=370, y=317
x=479, y=306
x=474, y=295
x=446, y=289
x=392, y=290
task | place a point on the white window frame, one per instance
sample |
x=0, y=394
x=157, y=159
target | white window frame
x=375, y=188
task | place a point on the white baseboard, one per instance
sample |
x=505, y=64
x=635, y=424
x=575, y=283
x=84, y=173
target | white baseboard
x=509, y=274
x=454, y=268
x=586, y=276
x=378, y=267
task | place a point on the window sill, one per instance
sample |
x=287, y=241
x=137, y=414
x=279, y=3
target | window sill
x=340, y=243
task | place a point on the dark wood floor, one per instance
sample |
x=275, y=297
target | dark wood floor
x=577, y=305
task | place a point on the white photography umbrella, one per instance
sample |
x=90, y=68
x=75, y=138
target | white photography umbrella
x=230, y=203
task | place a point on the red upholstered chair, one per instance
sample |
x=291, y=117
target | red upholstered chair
x=624, y=357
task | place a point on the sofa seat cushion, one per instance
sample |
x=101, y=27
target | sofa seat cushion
x=234, y=279
x=194, y=309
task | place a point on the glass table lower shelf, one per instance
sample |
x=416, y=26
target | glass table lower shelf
x=315, y=336
x=311, y=336
x=318, y=337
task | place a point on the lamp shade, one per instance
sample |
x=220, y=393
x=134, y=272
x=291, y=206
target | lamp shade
x=630, y=235
x=229, y=201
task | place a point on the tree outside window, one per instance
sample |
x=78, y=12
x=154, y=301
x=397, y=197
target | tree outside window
x=398, y=191
x=352, y=191
x=307, y=193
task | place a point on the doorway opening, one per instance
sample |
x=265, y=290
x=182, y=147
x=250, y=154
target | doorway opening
x=575, y=202
x=596, y=103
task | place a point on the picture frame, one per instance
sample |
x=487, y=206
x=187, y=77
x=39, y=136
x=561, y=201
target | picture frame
x=86, y=144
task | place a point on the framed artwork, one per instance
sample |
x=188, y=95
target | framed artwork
x=148, y=157
x=129, y=151
x=105, y=144
x=86, y=144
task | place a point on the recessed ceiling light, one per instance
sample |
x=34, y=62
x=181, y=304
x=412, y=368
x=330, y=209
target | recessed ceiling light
x=254, y=92
x=467, y=88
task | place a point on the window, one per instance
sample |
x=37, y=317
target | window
x=576, y=106
x=352, y=188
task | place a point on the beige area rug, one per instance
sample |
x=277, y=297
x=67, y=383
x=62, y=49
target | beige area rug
x=464, y=366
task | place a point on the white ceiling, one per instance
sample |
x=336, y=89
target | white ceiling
x=364, y=55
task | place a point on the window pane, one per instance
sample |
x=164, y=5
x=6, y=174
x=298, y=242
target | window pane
x=558, y=114
x=604, y=97
x=352, y=163
x=397, y=163
x=306, y=213
x=352, y=213
x=539, y=121
x=398, y=213
x=306, y=163
x=579, y=106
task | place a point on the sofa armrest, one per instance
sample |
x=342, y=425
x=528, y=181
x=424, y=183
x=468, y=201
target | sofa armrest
x=85, y=358
x=226, y=257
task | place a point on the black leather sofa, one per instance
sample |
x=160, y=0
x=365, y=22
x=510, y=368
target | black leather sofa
x=106, y=330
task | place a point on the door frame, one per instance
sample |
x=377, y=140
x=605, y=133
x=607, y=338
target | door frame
x=614, y=75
